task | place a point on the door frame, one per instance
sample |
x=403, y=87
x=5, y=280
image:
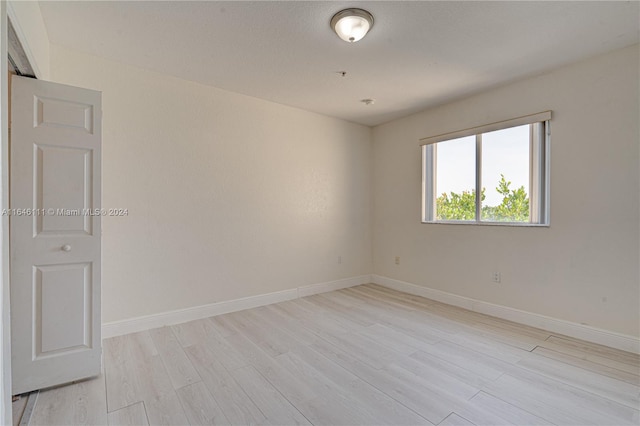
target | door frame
x=5, y=331
x=7, y=14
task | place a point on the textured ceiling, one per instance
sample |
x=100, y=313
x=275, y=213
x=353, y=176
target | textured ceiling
x=417, y=55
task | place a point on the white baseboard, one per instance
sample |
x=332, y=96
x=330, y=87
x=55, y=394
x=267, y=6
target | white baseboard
x=312, y=289
x=118, y=328
x=579, y=331
x=567, y=328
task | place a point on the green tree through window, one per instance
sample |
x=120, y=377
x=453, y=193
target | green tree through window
x=514, y=206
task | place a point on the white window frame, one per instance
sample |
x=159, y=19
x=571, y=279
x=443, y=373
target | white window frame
x=539, y=170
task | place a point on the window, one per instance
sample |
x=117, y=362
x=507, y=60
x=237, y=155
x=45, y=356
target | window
x=493, y=174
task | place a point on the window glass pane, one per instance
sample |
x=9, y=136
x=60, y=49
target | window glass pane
x=505, y=175
x=455, y=179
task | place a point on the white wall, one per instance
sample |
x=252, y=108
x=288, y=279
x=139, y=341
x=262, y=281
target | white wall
x=27, y=20
x=229, y=196
x=584, y=268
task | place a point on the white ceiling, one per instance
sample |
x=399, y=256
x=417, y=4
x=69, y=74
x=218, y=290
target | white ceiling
x=417, y=55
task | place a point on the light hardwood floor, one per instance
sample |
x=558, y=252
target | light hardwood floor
x=366, y=355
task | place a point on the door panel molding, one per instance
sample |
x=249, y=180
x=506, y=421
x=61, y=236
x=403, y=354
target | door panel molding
x=63, y=113
x=70, y=218
x=57, y=318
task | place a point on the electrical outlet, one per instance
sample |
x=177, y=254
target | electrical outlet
x=397, y=260
x=339, y=259
x=496, y=277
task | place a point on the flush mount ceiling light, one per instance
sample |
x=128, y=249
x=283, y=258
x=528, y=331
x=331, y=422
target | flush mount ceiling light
x=352, y=25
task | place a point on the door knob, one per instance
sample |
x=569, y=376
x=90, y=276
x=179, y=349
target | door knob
x=66, y=247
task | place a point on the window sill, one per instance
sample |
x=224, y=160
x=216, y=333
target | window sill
x=511, y=224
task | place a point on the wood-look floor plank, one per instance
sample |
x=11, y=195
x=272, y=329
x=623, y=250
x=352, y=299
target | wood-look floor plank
x=236, y=405
x=222, y=325
x=486, y=345
x=122, y=386
x=25, y=416
x=594, y=354
x=389, y=313
x=455, y=420
x=481, y=364
x=309, y=397
x=211, y=337
x=292, y=387
x=596, y=349
x=134, y=370
x=403, y=299
x=344, y=312
x=426, y=377
x=485, y=409
x=141, y=344
x=199, y=405
x=314, y=378
x=490, y=327
x=214, y=349
x=512, y=327
x=194, y=332
x=314, y=322
x=322, y=310
x=558, y=402
x=380, y=409
x=273, y=405
x=133, y=415
x=393, y=339
x=361, y=298
x=519, y=340
x=207, y=334
x=417, y=320
x=272, y=341
x=152, y=377
x=384, y=408
x=364, y=349
x=165, y=410
x=181, y=372
x=273, y=320
x=81, y=403
x=433, y=406
x=422, y=363
x=595, y=367
x=366, y=301
x=517, y=393
x=460, y=316
x=615, y=390
x=297, y=307
x=17, y=408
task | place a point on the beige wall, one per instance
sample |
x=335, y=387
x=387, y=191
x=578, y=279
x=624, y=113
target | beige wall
x=229, y=196
x=584, y=268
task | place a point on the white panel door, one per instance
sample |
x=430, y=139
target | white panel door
x=54, y=233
